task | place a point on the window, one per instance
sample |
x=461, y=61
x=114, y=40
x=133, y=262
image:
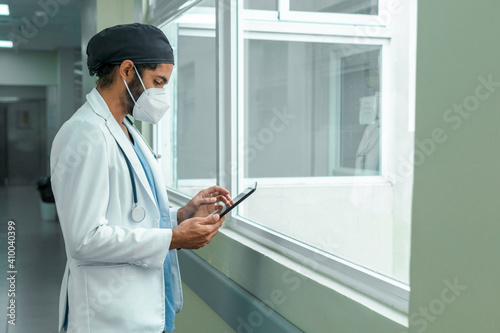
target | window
x=192, y=165
x=310, y=110
x=315, y=105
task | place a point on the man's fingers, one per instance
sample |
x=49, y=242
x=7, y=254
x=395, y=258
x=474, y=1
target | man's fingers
x=217, y=222
x=228, y=199
x=208, y=201
x=196, y=232
x=215, y=190
x=212, y=235
x=216, y=226
x=221, y=190
x=210, y=219
x=213, y=195
x=222, y=198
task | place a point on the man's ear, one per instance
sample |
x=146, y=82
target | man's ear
x=126, y=71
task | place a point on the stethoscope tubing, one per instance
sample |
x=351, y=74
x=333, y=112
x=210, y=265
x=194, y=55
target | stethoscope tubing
x=138, y=213
x=132, y=178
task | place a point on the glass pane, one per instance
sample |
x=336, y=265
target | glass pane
x=196, y=108
x=190, y=140
x=312, y=109
x=366, y=7
x=261, y=4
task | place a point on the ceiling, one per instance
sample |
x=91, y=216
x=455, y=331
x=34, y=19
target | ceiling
x=58, y=24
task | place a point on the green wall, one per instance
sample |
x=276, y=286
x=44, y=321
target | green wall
x=196, y=316
x=455, y=269
x=310, y=305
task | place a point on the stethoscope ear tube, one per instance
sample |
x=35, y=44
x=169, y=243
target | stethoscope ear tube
x=132, y=178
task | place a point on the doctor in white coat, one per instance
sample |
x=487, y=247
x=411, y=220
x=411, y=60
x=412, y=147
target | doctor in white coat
x=120, y=234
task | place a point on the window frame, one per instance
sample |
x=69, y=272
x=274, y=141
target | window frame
x=309, y=34
x=286, y=14
x=232, y=26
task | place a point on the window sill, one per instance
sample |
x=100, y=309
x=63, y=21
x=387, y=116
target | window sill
x=263, y=272
x=356, y=296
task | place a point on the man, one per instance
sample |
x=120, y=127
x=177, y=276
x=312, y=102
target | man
x=121, y=237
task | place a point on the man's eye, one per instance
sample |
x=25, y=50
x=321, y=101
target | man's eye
x=157, y=83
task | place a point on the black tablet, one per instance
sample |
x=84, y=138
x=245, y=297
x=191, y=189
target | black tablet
x=239, y=199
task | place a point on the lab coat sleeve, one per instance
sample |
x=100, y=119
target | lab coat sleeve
x=173, y=217
x=80, y=181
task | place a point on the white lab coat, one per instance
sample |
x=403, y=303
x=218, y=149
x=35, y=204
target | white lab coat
x=113, y=280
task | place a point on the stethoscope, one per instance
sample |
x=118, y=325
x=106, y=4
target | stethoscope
x=138, y=213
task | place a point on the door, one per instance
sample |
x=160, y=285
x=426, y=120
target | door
x=26, y=151
x=3, y=144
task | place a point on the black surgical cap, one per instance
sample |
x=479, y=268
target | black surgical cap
x=141, y=43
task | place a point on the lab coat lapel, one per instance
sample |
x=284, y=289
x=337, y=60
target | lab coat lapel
x=153, y=164
x=101, y=108
x=127, y=148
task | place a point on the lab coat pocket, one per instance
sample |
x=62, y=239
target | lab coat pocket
x=123, y=295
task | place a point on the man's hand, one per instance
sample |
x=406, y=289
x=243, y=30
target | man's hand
x=195, y=232
x=204, y=203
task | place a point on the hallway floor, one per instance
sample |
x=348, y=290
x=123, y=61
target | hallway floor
x=40, y=260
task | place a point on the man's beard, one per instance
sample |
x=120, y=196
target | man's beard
x=136, y=90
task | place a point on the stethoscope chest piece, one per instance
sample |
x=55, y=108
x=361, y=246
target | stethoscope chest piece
x=138, y=214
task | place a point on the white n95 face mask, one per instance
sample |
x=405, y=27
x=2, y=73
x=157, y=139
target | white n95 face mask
x=152, y=105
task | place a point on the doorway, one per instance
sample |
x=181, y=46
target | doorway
x=23, y=150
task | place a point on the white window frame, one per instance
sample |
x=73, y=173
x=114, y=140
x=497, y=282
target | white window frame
x=316, y=34
x=232, y=26
x=285, y=14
